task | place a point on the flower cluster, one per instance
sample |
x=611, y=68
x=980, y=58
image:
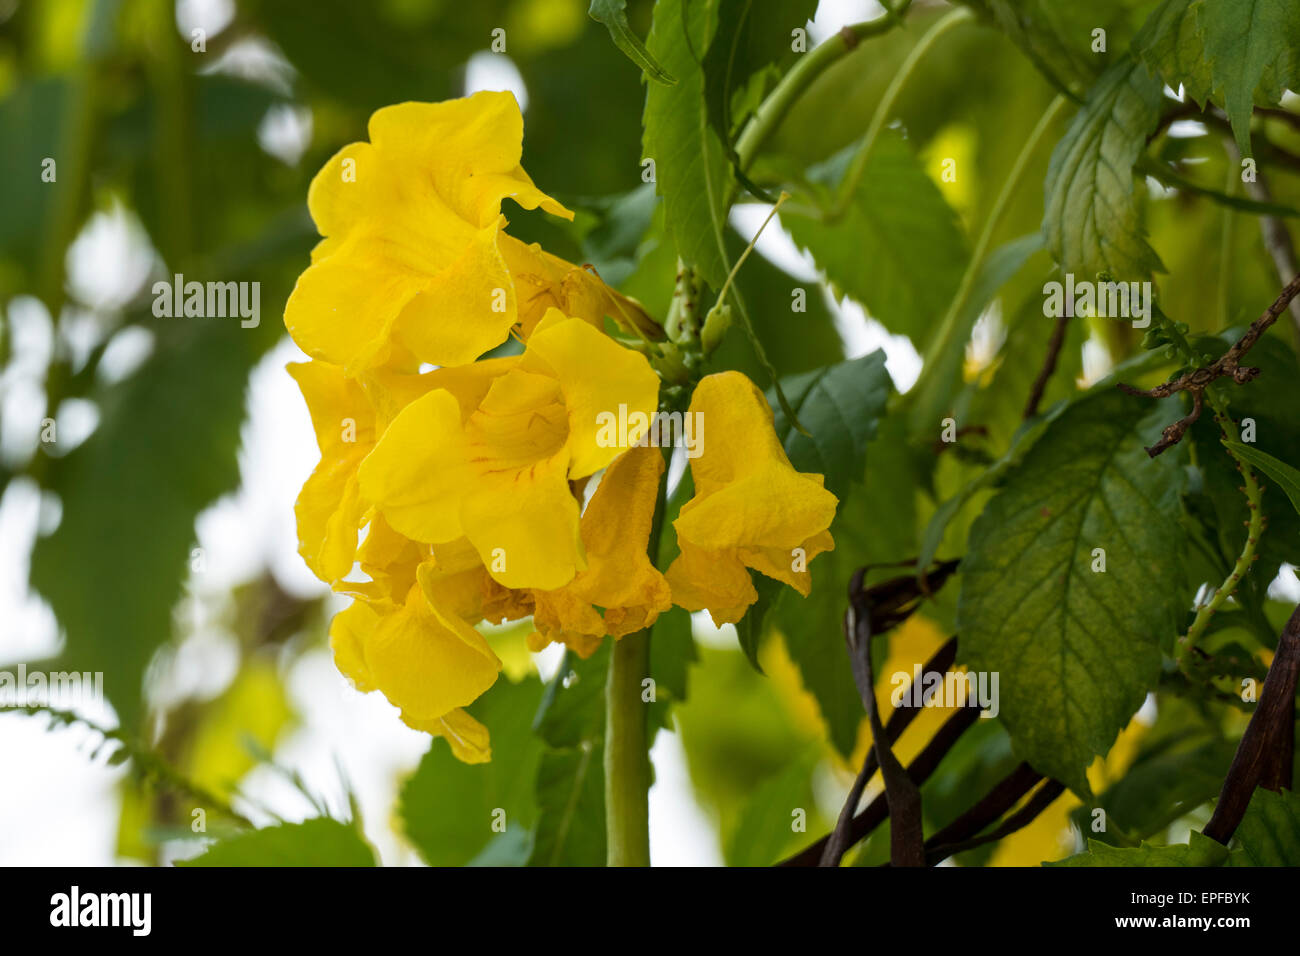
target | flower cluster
x=455, y=483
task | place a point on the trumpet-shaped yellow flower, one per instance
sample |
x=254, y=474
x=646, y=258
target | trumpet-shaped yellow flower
x=489, y=455
x=428, y=665
x=411, y=223
x=621, y=591
x=347, y=415
x=751, y=509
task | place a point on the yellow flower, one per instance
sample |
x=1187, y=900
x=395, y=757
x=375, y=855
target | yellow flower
x=411, y=223
x=428, y=663
x=544, y=282
x=621, y=591
x=348, y=416
x=489, y=455
x=751, y=509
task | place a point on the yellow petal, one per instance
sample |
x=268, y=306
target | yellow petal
x=713, y=581
x=419, y=471
x=424, y=667
x=469, y=149
x=464, y=310
x=468, y=738
x=329, y=513
x=348, y=633
x=598, y=377
x=343, y=308
x=524, y=524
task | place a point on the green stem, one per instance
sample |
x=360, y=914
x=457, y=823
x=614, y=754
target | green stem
x=627, y=750
x=858, y=167
x=978, y=254
x=1252, y=490
x=813, y=64
x=627, y=760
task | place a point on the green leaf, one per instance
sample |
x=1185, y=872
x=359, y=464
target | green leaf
x=1076, y=649
x=570, y=784
x=752, y=38
x=1057, y=37
x=898, y=249
x=691, y=169
x=1160, y=788
x=765, y=831
x=1288, y=478
x=448, y=808
x=318, y=842
x=1200, y=850
x=613, y=13
x=573, y=707
x=1236, y=51
x=875, y=523
x=1269, y=833
x=1091, y=219
x=571, y=795
x=164, y=449
x=839, y=406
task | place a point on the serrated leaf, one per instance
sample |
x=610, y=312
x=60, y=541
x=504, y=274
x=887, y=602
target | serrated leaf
x=1236, y=51
x=613, y=14
x=691, y=169
x=448, y=808
x=1091, y=220
x=1269, y=833
x=839, y=406
x=318, y=842
x=1076, y=649
x=1057, y=37
x=1200, y=850
x=898, y=249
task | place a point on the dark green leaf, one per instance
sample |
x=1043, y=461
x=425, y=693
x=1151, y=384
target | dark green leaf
x=1076, y=649
x=1091, y=218
x=898, y=249
x=613, y=14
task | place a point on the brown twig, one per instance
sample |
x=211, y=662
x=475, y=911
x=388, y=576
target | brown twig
x=1049, y=365
x=1264, y=756
x=1043, y=798
x=906, y=831
x=899, y=721
x=920, y=769
x=1228, y=364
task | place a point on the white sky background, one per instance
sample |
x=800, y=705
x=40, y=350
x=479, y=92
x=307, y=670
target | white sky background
x=65, y=811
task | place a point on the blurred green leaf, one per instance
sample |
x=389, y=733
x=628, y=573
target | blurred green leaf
x=449, y=809
x=898, y=249
x=318, y=842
